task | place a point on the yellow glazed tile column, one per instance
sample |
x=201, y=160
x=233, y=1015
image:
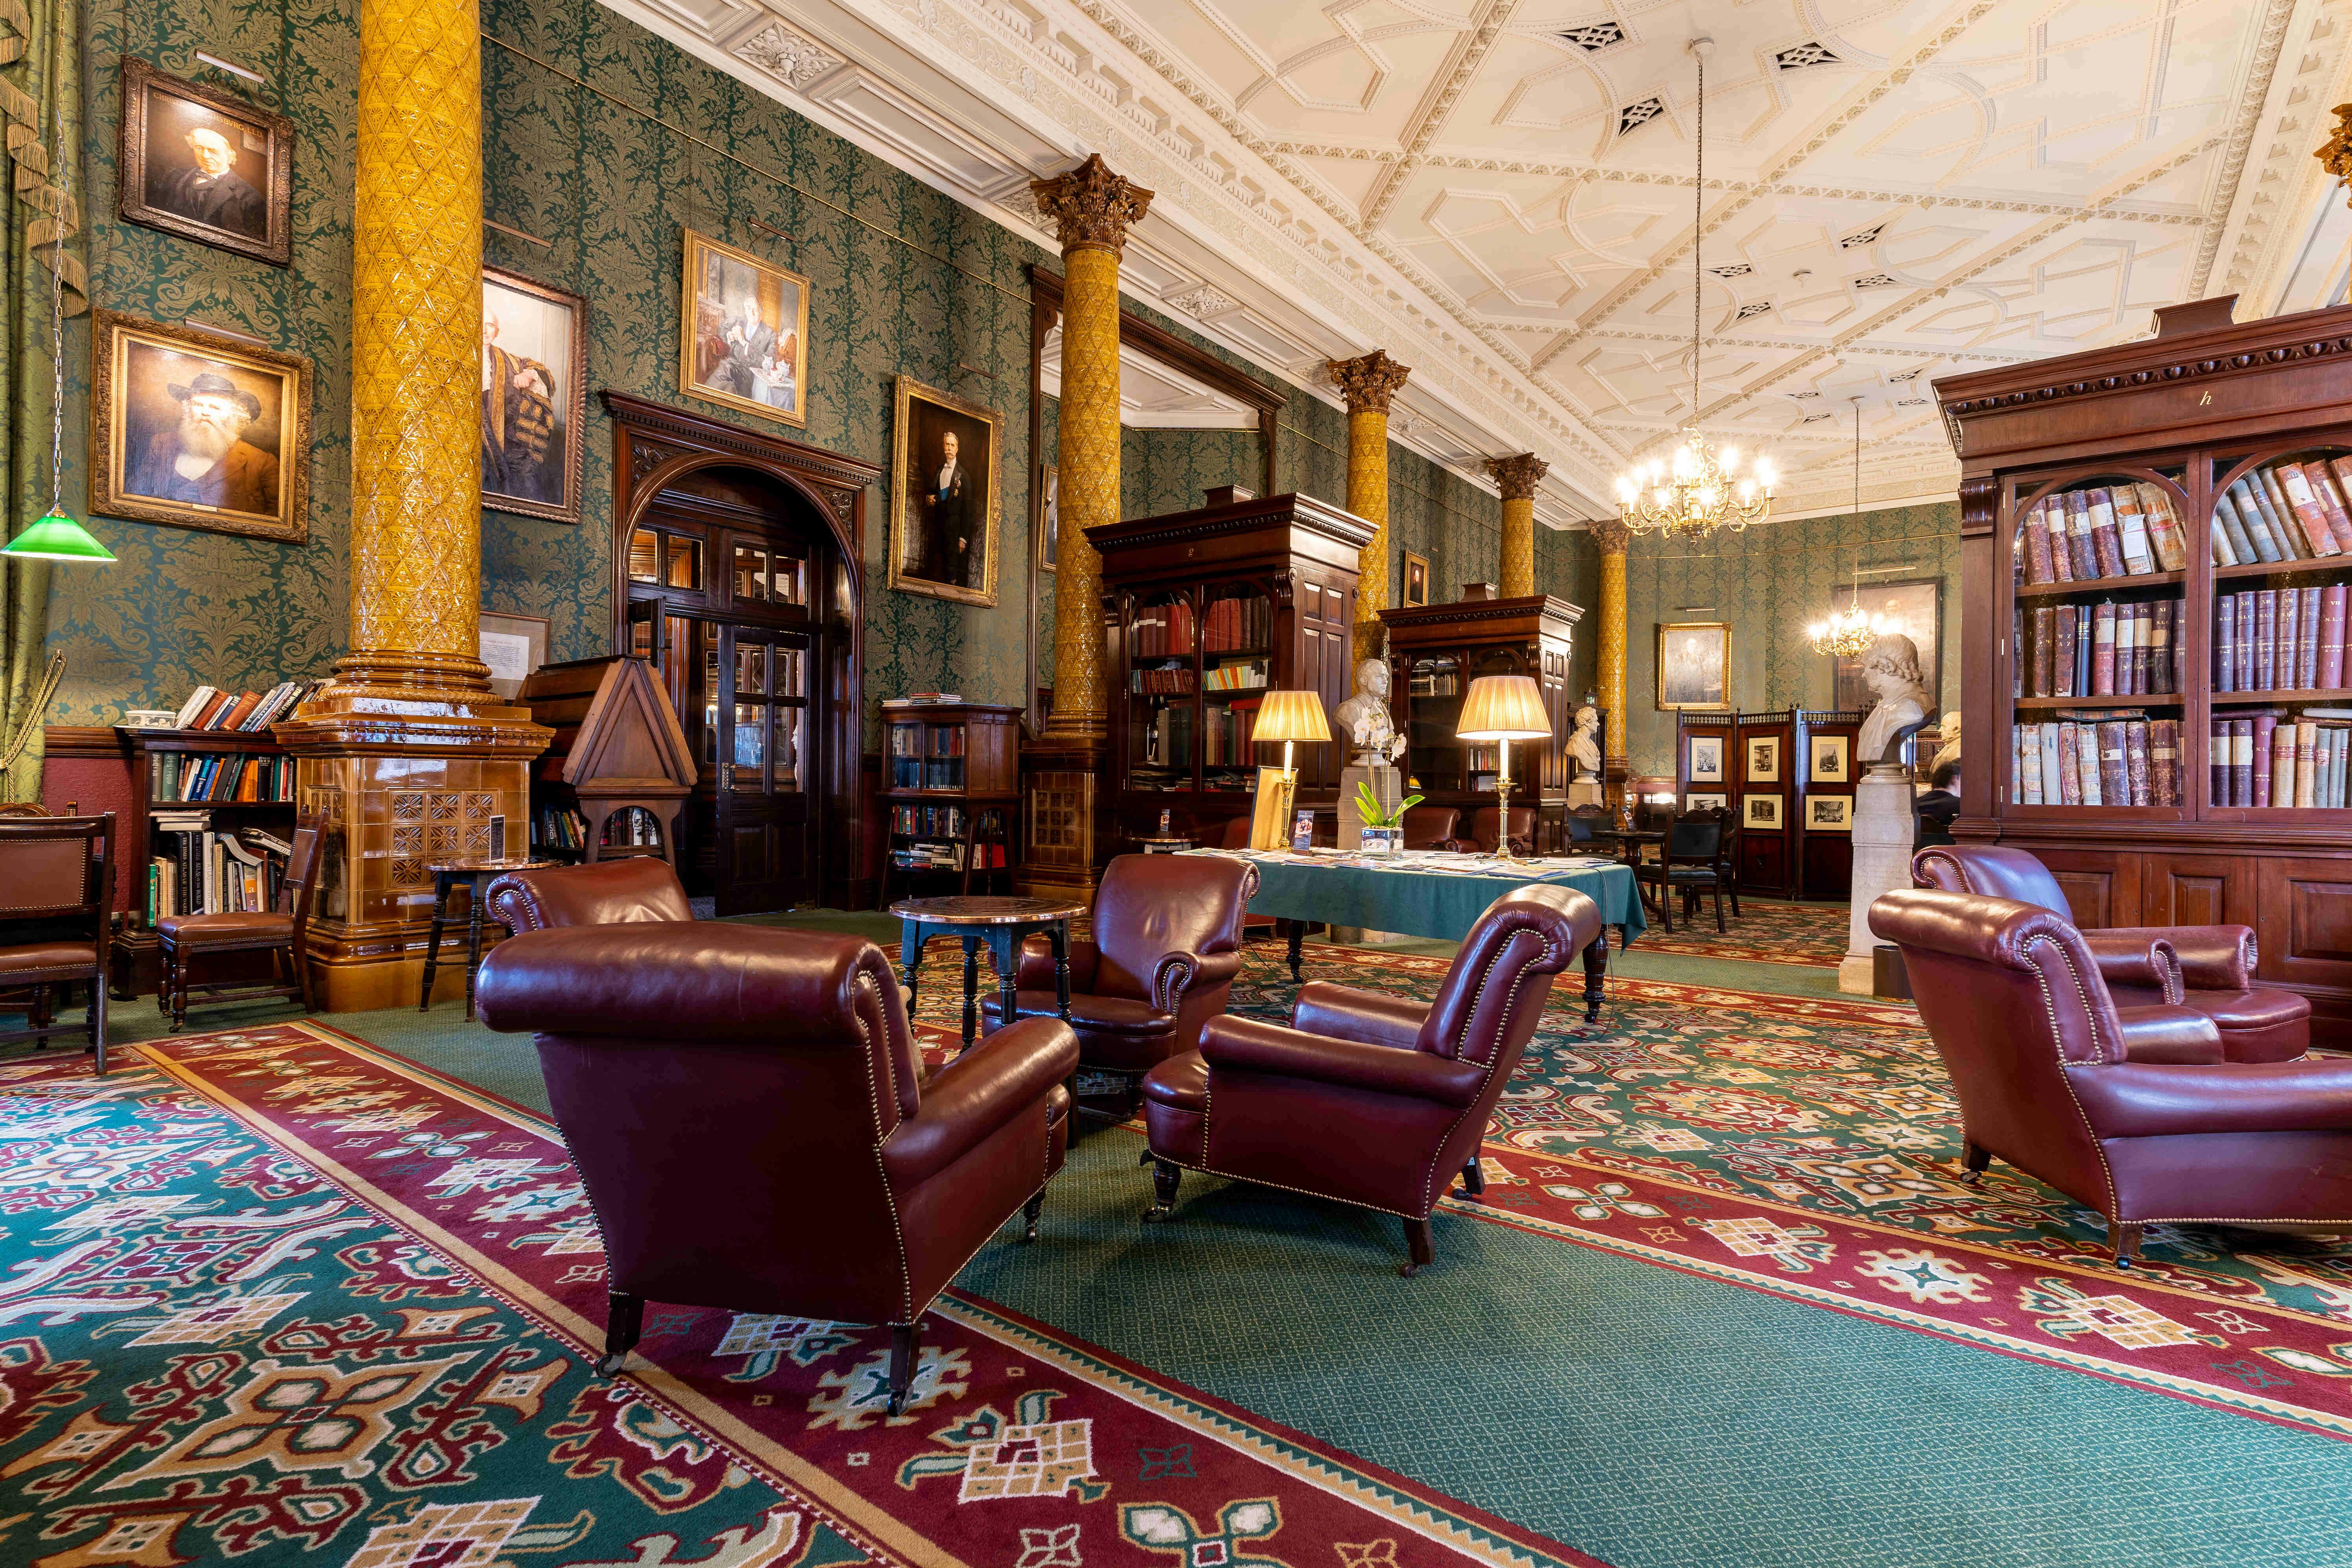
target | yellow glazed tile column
x=1369, y=383
x=1517, y=478
x=1613, y=537
x=1094, y=208
x=407, y=753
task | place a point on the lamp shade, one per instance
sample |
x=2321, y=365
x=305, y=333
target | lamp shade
x=1503, y=707
x=1291, y=716
x=56, y=537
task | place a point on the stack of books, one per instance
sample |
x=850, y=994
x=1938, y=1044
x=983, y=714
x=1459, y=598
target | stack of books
x=2107, y=649
x=2267, y=757
x=2285, y=511
x=1238, y=624
x=2098, y=758
x=1163, y=630
x=2280, y=639
x=1242, y=674
x=194, y=870
x=555, y=828
x=2100, y=530
x=210, y=708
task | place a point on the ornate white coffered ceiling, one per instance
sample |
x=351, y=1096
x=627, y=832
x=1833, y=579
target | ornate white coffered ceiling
x=1500, y=193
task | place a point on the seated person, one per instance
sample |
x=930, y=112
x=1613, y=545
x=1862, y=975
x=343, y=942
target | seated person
x=1936, y=809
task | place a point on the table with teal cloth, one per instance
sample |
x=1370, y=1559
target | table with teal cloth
x=1439, y=904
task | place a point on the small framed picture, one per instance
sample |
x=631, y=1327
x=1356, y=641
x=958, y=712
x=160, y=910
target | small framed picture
x=1764, y=759
x=513, y=647
x=943, y=504
x=1830, y=761
x=1707, y=759
x=743, y=331
x=1706, y=800
x=534, y=396
x=198, y=430
x=1829, y=814
x=206, y=166
x=1415, y=578
x=1049, y=518
x=1759, y=811
x=1695, y=666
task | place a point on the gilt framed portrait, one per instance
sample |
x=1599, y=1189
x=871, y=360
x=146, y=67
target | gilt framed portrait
x=1695, y=666
x=1764, y=759
x=534, y=395
x=1829, y=814
x=1415, y=578
x=1707, y=759
x=1759, y=811
x=1832, y=759
x=198, y=430
x=743, y=332
x=943, y=502
x=205, y=164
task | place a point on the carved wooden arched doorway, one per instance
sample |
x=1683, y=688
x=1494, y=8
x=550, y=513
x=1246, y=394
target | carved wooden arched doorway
x=736, y=571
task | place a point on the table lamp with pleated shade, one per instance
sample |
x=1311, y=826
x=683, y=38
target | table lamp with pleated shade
x=1503, y=707
x=1290, y=717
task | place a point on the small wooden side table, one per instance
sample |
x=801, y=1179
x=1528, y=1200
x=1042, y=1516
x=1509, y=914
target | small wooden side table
x=1000, y=922
x=477, y=874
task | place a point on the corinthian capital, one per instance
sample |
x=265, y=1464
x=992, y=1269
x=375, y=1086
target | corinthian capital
x=1094, y=208
x=1611, y=534
x=1370, y=382
x=1518, y=476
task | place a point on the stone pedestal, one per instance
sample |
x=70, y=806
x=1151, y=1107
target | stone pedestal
x=1883, y=829
x=1585, y=791
x=1388, y=788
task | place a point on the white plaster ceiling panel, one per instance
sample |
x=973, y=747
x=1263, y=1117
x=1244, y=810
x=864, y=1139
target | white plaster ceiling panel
x=1499, y=192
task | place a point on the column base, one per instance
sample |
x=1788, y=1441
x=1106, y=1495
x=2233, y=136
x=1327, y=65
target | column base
x=412, y=759
x=1858, y=975
x=1065, y=832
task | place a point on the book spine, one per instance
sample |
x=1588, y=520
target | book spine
x=2037, y=541
x=2306, y=760
x=2082, y=555
x=2223, y=554
x=2217, y=761
x=2087, y=751
x=2281, y=791
x=2225, y=642
x=2128, y=661
x=2307, y=645
x=2045, y=648
x=2131, y=534
x=2115, y=784
x=2135, y=762
x=2331, y=636
x=2242, y=762
x=2165, y=534
x=2106, y=547
x=2052, y=779
x=2231, y=506
x=2264, y=726
x=2030, y=762
x=2070, y=765
x=2253, y=510
x=2160, y=649
x=2325, y=492
x=2164, y=760
x=2310, y=517
x=2292, y=544
x=2102, y=654
x=2062, y=660
x=2266, y=641
x=2290, y=636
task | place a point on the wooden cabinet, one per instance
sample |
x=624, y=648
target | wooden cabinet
x=1435, y=651
x=1208, y=610
x=951, y=775
x=2229, y=733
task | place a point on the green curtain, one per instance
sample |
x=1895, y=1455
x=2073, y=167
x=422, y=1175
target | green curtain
x=40, y=103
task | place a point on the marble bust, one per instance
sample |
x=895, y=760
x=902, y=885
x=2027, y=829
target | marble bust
x=1891, y=670
x=1949, y=751
x=1584, y=743
x=1364, y=717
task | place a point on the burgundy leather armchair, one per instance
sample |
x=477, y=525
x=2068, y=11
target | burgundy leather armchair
x=1166, y=946
x=744, y=1107
x=1368, y=1098
x=1484, y=836
x=1430, y=827
x=2207, y=968
x=606, y=892
x=2134, y=1110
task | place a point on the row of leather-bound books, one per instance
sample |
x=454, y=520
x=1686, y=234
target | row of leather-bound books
x=2107, y=649
x=2276, y=639
x=2097, y=759
x=2286, y=511
x=2269, y=757
x=2120, y=530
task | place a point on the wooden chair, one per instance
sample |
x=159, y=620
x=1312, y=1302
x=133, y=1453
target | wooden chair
x=56, y=889
x=1692, y=864
x=281, y=934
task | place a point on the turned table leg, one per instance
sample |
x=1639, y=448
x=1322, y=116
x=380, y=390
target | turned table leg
x=1596, y=969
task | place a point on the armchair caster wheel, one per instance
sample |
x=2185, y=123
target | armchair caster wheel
x=1407, y=1270
x=1164, y=1177
x=1421, y=1247
x=1158, y=1213
x=1029, y=1212
x=610, y=1365
x=896, y=1404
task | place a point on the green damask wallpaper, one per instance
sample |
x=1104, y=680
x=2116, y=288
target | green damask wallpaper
x=1769, y=583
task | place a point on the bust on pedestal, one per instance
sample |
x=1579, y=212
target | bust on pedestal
x=1584, y=750
x=1365, y=721
x=1883, y=827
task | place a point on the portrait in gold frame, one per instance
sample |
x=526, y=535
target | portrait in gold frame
x=946, y=455
x=743, y=334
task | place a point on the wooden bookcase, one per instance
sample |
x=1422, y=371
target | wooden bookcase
x=1207, y=610
x=135, y=953
x=951, y=778
x=2191, y=411
x=1435, y=652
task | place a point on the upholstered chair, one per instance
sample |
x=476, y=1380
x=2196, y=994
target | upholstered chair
x=1367, y=1097
x=1484, y=838
x=2136, y=1112
x=1165, y=948
x=2209, y=969
x=57, y=887
x=606, y=892
x=746, y=1107
x=1429, y=826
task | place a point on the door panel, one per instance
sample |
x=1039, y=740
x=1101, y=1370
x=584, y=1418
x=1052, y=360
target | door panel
x=2304, y=933
x=2102, y=888
x=763, y=741
x=2198, y=891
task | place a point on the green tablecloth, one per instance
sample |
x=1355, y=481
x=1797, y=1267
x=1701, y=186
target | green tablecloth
x=1422, y=903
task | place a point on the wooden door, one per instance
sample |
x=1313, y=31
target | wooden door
x=767, y=850
x=2194, y=890
x=2304, y=933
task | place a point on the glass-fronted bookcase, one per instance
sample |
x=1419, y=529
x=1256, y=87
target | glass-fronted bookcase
x=2156, y=555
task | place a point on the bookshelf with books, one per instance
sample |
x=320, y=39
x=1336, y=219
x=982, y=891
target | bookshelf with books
x=1207, y=611
x=212, y=815
x=951, y=787
x=2162, y=534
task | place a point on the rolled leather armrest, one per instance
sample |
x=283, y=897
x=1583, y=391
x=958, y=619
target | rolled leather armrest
x=979, y=1092
x=2148, y=1100
x=1034, y=971
x=1347, y=1013
x=2135, y=956
x=2212, y=958
x=1246, y=1045
x=1178, y=973
x=2168, y=1035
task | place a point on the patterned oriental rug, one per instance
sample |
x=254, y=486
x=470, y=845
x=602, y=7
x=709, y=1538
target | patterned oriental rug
x=274, y=1291
x=1766, y=930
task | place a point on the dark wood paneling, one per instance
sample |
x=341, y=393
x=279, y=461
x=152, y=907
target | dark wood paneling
x=2305, y=932
x=2197, y=890
x=1763, y=862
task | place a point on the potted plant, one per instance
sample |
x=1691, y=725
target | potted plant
x=1383, y=831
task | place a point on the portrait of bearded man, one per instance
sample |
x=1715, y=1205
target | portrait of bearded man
x=204, y=459
x=518, y=420
x=208, y=189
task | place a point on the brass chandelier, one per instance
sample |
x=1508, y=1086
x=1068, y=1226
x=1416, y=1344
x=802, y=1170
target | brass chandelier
x=1696, y=492
x=1848, y=633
